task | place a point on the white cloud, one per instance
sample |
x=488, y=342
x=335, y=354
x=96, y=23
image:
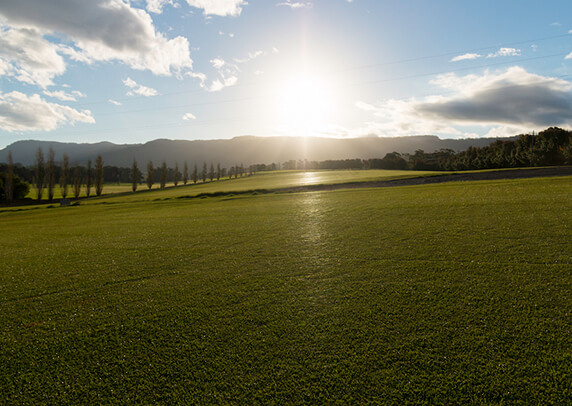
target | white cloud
x=217, y=63
x=101, y=30
x=466, y=57
x=28, y=57
x=505, y=52
x=138, y=89
x=219, y=7
x=569, y=56
x=19, y=112
x=189, y=116
x=251, y=56
x=296, y=4
x=115, y=102
x=227, y=75
x=156, y=6
x=64, y=96
x=505, y=102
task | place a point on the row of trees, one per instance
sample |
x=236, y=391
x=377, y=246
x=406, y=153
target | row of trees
x=46, y=174
x=552, y=146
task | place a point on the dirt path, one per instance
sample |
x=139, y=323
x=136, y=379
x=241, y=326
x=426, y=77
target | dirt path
x=455, y=177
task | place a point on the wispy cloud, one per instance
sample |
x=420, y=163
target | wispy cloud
x=504, y=52
x=137, y=89
x=189, y=116
x=251, y=56
x=465, y=57
x=64, y=96
x=296, y=4
x=115, y=102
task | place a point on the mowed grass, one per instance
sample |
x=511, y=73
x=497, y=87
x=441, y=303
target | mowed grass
x=453, y=293
x=261, y=180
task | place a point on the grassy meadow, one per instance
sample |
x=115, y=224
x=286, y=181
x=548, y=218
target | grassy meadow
x=262, y=180
x=454, y=293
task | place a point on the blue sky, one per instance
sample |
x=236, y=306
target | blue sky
x=133, y=71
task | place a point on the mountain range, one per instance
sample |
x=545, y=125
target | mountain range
x=245, y=150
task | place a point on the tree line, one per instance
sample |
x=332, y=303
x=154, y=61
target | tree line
x=550, y=147
x=46, y=174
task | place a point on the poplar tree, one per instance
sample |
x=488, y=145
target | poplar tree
x=211, y=172
x=88, y=179
x=204, y=172
x=39, y=173
x=9, y=180
x=164, y=172
x=134, y=175
x=186, y=173
x=98, y=175
x=218, y=171
x=64, y=175
x=150, y=175
x=51, y=174
x=195, y=174
x=76, y=180
x=176, y=174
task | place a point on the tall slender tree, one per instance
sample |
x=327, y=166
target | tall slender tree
x=164, y=173
x=98, y=175
x=149, y=179
x=204, y=172
x=176, y=174
x=39, y=173
x=186, y=173
x=211, y=172
x=195, y=174
x=51, y=173
x=134, y=175
x=218, y=171
x=64, y=175
x=76, y=180
x=88, y=179
x=9, y=180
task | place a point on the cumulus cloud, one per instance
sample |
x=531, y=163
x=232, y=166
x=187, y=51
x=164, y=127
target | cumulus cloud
x=466, y=57
x=189, y=116
x=102, y=30
x=506, y=102
x=296, y=4
x=20, y=112
x=28, y=57
x=219, y=7
x=137, y=89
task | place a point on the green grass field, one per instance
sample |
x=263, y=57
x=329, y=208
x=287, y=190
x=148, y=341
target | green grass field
x=262, y=180
x=454, y=293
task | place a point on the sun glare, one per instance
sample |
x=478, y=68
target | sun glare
x=304, y=106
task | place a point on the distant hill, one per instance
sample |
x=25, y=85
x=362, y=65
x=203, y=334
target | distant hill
x=240, y=150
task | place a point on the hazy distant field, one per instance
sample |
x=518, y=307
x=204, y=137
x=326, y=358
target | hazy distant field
x=454, y=293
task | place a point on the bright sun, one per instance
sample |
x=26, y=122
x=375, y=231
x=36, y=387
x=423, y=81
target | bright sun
x=304, y=106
